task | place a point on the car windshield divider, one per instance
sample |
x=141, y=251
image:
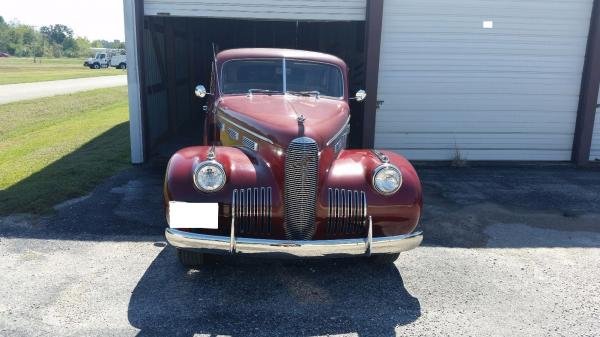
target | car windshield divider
x=284, y=70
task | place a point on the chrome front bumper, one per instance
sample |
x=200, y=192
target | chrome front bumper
x=311, y=248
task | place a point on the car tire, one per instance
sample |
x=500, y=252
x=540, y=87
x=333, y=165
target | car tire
x=190, y=258
x=122, y=66
x=96, y=66
x=383, y=259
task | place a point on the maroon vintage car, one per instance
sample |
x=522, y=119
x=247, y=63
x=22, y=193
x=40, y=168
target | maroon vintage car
x=274, y=176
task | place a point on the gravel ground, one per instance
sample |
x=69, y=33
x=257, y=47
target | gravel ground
x=508, y=251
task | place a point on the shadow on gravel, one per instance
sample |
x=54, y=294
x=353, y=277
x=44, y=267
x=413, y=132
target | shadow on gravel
x=511, y=206
x=247, y=297
x=468, y=207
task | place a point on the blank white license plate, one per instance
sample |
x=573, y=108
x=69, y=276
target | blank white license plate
x=193, y=215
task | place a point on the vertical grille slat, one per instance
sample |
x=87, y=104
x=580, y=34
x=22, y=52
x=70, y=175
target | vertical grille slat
x=300, y=188
x=347, y=211
x=253, y=210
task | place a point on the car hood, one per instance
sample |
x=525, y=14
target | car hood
x=277, y=116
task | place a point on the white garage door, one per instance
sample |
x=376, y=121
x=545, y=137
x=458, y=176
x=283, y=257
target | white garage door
x=595, y=151
x=332, y=10
x=506, y=92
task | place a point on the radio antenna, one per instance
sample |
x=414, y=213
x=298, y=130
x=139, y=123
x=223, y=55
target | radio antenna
x=215, y=49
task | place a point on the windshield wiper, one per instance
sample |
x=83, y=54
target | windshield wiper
x=305, y=93
x=262, y=91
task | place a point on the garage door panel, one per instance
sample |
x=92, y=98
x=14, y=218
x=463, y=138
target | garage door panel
x=469, y=126
x=261, y=9
x=506, y=93
x=394, y=102
x=468, y=141
x=485, y=154
x=483, y=86
x=519, y=9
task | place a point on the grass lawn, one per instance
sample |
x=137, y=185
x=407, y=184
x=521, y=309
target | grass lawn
x=56, y=148
x=23, y=70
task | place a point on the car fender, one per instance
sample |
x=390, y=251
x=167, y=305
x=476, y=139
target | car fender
x=241, y=169
x=393, y=214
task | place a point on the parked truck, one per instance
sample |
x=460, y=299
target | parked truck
x=107, y=58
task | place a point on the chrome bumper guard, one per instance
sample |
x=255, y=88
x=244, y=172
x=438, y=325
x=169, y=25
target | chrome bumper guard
x=315, y=248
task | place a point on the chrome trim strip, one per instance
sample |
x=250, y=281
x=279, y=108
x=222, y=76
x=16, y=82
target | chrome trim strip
x=370, y=236
x=341, y=131
x=232, y=231
x=254, y=134
x=310, y=248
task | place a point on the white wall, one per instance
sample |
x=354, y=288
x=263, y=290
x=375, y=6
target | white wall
x=595, y=150
x=135, y=110
x=261, y=9
x=507, y=93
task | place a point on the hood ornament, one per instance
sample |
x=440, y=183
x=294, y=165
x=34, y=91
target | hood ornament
x=211, y=153
x=301, y=120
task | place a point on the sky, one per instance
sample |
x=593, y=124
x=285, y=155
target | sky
x=92, y=19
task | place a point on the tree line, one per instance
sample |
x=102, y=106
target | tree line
x=48, y=41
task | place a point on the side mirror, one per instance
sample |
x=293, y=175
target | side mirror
x=200, y=91
x=360, y=95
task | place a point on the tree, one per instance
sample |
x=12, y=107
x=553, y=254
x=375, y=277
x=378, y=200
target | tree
x=57, y=33
x=83, y=46
x=54, y=40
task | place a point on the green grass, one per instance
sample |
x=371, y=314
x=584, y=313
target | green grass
x=23, y=70
x=57, y=148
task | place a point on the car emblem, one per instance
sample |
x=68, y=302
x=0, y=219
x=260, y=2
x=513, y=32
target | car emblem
x=304, y=161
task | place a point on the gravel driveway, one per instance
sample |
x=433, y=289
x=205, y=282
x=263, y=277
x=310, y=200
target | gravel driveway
x=23, y=91
x=508, y=251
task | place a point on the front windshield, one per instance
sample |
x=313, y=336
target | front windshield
x=266, y=76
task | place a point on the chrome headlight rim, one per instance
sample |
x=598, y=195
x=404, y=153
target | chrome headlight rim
x=382, y=167
x=203, y=164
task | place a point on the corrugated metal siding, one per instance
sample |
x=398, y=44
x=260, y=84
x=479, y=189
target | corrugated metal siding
x=507, y=93
x=156, y=105
x=595, y=151
x=331, y=10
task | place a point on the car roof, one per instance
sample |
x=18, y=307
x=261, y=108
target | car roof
x=249, y=53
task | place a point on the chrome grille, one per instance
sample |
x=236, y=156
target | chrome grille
x=249, y=143
x=300, y=188
x=252, y=210
x=347, y=211
x=233, y=134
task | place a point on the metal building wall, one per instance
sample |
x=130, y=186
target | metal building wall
x=261, y=9
x=595, y=150
x=508, y=93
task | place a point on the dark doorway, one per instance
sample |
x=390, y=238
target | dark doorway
x=178, y=53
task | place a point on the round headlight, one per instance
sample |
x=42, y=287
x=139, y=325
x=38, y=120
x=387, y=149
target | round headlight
x=387, y=179
x=209, y=176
